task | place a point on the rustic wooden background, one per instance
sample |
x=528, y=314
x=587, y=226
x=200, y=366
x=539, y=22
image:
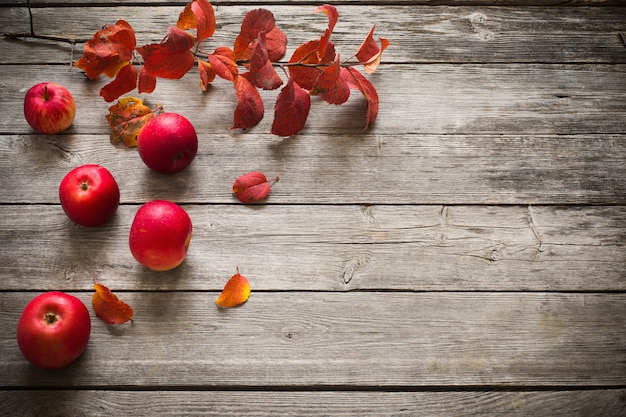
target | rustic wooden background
x=464, y=256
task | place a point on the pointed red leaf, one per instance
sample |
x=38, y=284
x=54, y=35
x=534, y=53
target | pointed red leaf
x=292, y=109
x=306, y=53
x=262, y=73
x=276, y=44
x=108, y=51
x=331, y=86
x=357, y=81
x=108, y=307
x=333, y=17
x=252, y=187
x=250, y=110
x=125, y=81
x=172, y=57
x=199, y=15
x=223, y=63
x=370, y=53
x=254, y=22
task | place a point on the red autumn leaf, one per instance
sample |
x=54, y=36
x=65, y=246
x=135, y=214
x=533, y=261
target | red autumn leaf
x=108, y=307
x=262, y=73
x=250, y=109
x=331, y=86
x=370, y=53
x=292, y=109
x=207, y=75
x=108, y=51
x=357, y=81
x=199, y=15
x=255, y=22
x=333, y=17
x=126, y=119
x=171, y=58
x=252, y=187
x=125, y=81
x=147, y=81
x=306, y=75
x=235, y=292
x=223, y=63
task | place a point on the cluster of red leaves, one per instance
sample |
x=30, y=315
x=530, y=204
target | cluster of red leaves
x=314, y=69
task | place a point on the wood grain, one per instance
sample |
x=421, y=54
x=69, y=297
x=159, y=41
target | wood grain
x=586, y=403
x=417, y=34
x=361, y=339
x=331, y=248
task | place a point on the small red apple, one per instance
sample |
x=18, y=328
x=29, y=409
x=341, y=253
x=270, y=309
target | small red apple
x=160, y=235
x=167, y=143
x=49, y=108
x=89, y=195
x=53, y=330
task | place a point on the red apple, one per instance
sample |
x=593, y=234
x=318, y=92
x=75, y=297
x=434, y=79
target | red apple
x=53, y=330
x=49, y=108
x=89, y=195
x=167, y=143
x=160, y=235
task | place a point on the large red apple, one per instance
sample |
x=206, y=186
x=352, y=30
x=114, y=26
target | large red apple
x=160, y=235
x=167, y=143
x=89, y=195
x=49, y=108
x=53, y=330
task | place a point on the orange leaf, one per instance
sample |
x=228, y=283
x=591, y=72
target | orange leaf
x=126, y=119
x=369, y=53
x=262, y=73
x=172, y=57
x=108, y=307
x=357, y=81
x=108, y=51
x=333, y=88
x=198, y=14
x=125, y=81
x=250, y=109
x=292, y=109
x=207, y=75
x=252, y=187
x=333, y=17
x=223, y=63
x=235, y=292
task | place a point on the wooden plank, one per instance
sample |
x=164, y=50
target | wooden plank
x=585, y=403
x=331, y=248
x=316, y=169
x=417, y=34
x=440, y=99
x=360, y=339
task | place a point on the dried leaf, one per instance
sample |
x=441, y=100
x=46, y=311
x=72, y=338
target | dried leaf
x=126, y=119
x=252, y=187
x=331, y=86
x=125, y=81
x=235, y=292
x=108, y=51
x=262, y=73
x=254, y=22
x=199, y=15
x=108, y=307
x=292, y=109
x=224, y=64
x=172, y=58
x=357, y=81
x=370, y=53
x=250, y=109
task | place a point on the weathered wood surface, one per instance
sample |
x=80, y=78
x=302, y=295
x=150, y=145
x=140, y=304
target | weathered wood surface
x=332, y=248
x=417, y=34
x=585, y=403
x=359, y=339
x=464, y=256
